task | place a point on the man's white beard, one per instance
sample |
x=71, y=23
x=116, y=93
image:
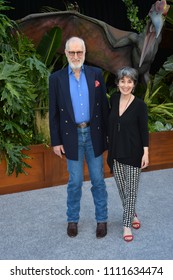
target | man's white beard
x=76, y=66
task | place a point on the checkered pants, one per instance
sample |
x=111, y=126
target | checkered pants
x=127, y=180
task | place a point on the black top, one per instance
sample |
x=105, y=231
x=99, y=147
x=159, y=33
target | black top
x=128, y=133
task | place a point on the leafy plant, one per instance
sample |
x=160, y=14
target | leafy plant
x=159, y=126
x=162, y=112
x=132, y=14
x=169, y=17
x=159, y=97
x=23, y=85
x=164, y=78
x=48, y=46
x=24, y=72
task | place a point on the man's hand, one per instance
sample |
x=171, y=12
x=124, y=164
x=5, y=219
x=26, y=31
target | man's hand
x=59, y=150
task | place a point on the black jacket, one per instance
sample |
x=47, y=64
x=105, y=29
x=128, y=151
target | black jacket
x=63, y=129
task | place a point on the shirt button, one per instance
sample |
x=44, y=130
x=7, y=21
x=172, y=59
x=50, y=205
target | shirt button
x=96, y=116
x=66, y=121
x=98, y=104
x=62, y=109
x=66, y=133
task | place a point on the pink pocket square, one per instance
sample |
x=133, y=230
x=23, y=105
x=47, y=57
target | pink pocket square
x=97, y=83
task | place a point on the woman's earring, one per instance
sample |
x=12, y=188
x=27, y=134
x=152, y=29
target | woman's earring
x=118, y=89
x=133, y=90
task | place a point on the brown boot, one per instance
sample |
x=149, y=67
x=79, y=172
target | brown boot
x=101, y=230
x=72, y=229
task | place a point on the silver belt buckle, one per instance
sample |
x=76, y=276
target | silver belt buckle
x=83, y=125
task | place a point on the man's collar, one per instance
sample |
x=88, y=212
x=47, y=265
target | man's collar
x=70, y=70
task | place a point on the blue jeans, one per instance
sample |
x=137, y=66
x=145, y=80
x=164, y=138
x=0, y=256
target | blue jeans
x=74, y=188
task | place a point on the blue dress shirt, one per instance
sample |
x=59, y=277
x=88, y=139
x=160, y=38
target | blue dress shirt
x=79, y=96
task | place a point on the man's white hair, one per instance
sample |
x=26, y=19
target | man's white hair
x=74, y=39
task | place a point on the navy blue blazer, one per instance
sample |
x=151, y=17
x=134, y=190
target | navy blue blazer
x=63, y=129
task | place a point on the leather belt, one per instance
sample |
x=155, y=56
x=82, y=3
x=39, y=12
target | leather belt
x=83, y=124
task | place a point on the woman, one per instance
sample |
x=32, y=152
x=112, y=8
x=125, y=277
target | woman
x=128, y=144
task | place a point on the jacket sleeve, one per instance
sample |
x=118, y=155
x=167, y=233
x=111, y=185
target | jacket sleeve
x=54, y=120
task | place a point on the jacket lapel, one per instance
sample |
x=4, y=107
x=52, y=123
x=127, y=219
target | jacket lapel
x=91, y=87
x=66, y=92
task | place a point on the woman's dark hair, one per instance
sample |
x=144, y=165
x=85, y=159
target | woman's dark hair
x=126, y=72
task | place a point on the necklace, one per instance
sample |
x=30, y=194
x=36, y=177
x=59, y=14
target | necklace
x=128, y=101
x=118, y=124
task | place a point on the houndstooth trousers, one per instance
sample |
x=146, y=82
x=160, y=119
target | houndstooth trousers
x=127, y=180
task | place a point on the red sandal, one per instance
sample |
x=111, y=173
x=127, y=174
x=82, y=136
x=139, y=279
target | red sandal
x=128, y=238
x=135, y=224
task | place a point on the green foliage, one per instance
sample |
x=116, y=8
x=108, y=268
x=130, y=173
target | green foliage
x=24, y=73
x=159, y=126
x=164, y=77
x=162, y=112
x=159, y=97
x=47, y=49
x=5, y=22
x=49, y=45
x=132, y=15
x=23, y=88
x=169, y=17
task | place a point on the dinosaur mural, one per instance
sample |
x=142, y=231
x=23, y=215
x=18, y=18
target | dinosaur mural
x=107, y=47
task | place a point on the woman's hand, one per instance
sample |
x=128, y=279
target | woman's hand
x=145, y=158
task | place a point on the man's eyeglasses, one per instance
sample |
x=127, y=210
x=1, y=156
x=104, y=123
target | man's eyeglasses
x=79, y=53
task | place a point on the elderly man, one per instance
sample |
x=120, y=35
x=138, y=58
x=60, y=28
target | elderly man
x=78, y=110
